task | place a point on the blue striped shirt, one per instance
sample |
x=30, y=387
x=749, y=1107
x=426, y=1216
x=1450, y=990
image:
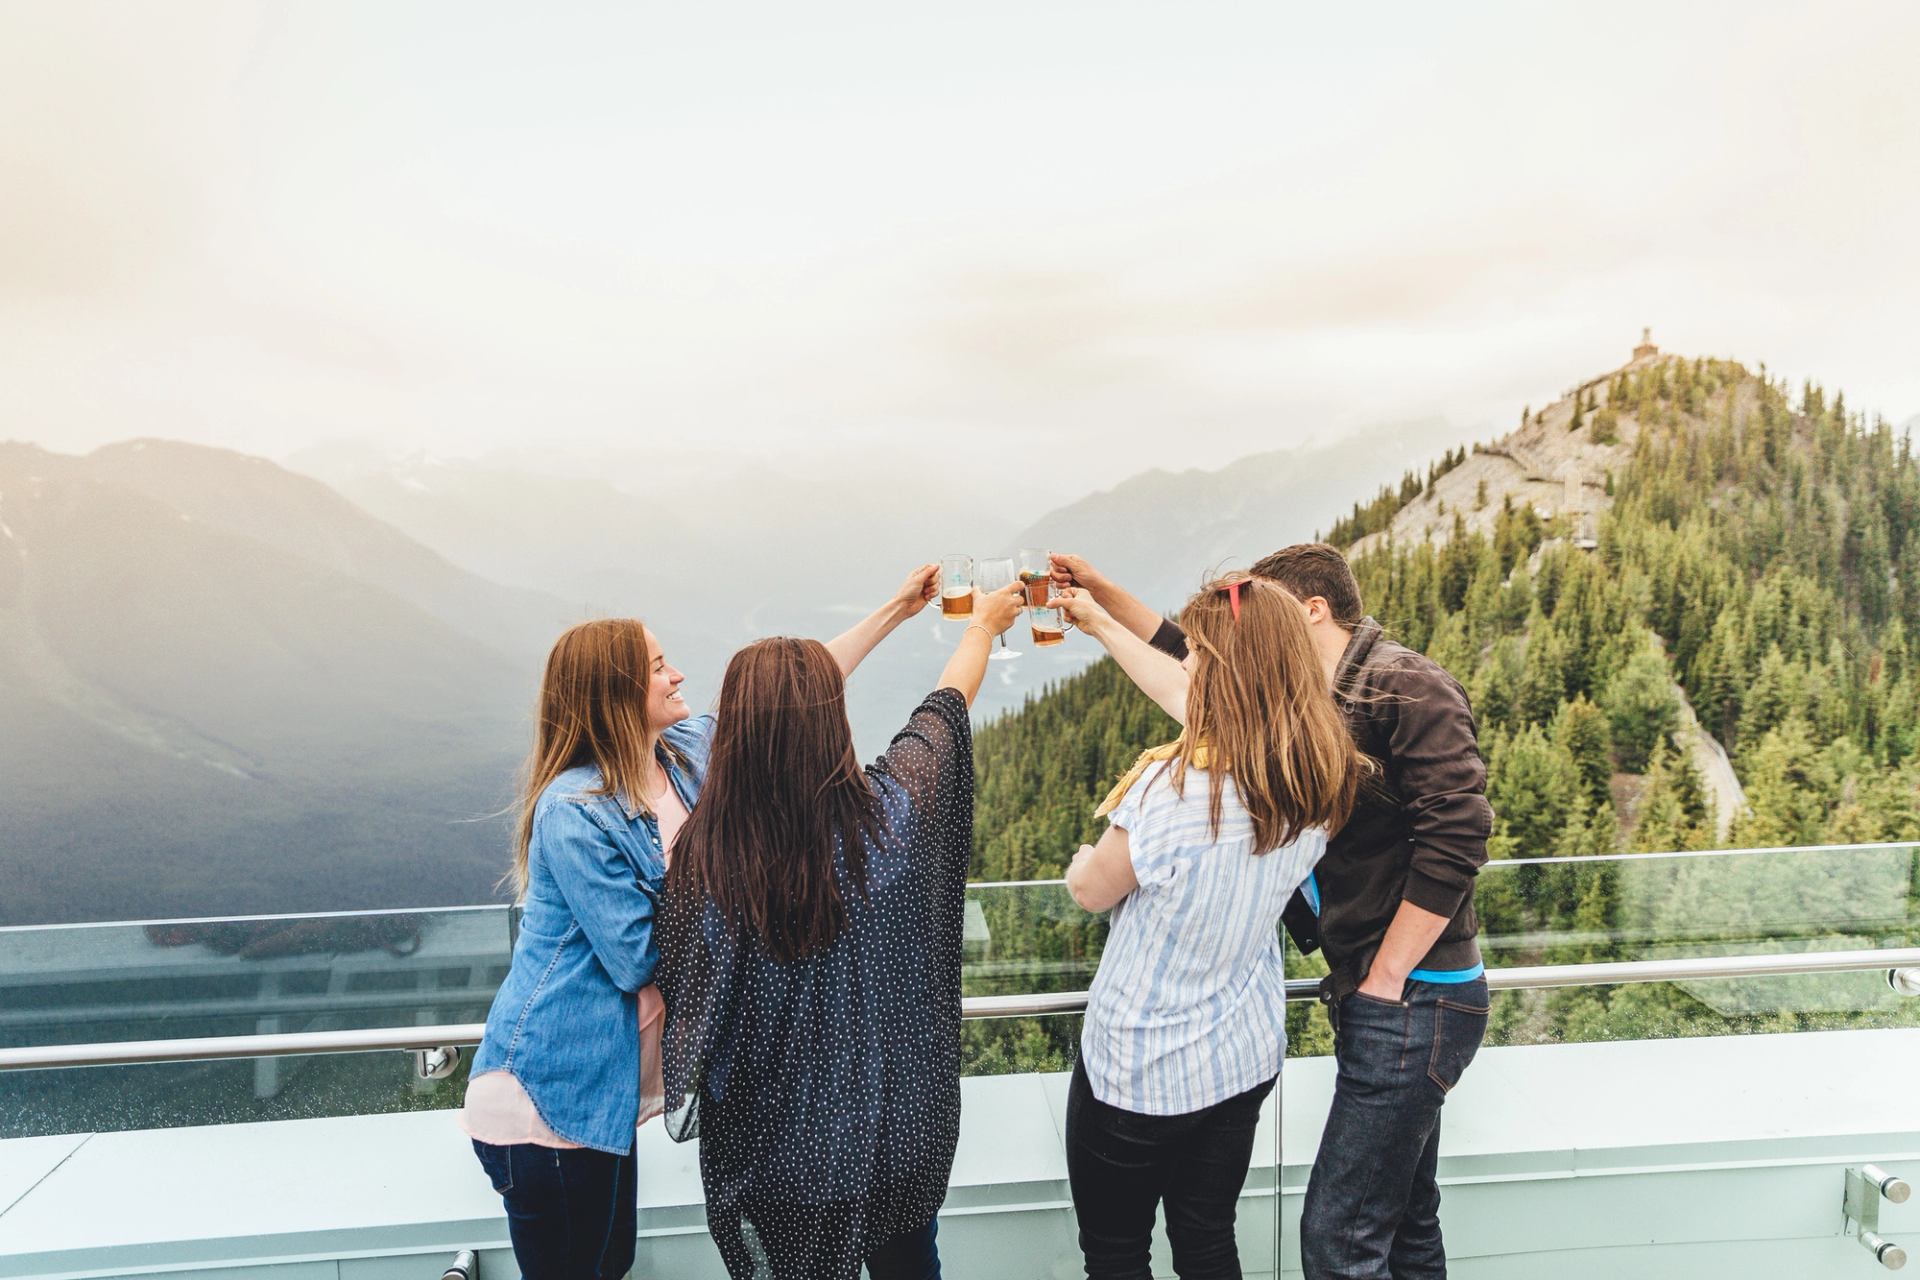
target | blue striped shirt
x=1188, y=1006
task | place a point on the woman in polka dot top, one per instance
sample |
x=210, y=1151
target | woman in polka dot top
x=811, y=965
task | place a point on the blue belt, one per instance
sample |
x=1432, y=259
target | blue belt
x=1447, y=977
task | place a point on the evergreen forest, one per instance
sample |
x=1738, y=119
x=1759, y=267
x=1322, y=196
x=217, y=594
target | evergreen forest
x=1752, y=596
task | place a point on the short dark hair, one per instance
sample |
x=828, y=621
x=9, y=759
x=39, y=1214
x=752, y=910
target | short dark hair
x=1315, y=569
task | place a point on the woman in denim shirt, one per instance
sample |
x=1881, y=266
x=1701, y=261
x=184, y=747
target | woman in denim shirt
x=555, y=1090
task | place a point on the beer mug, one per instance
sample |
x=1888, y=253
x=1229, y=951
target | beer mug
x=956, y=587
x=1036, y=571
x=1049, y=620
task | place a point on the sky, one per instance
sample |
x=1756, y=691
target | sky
x=1088, y=237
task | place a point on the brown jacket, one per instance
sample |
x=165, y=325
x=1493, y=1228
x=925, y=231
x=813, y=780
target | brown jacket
x=1419, y=831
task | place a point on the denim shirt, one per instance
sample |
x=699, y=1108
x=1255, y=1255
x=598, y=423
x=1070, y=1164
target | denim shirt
x=565, y=1022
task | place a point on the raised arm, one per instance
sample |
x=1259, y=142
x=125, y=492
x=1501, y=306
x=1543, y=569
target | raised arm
x=992, y=614
x=1159, y=676
x=1125, y=608
x=851, y=647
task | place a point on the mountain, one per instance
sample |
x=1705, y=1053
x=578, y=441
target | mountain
x=1678, y=559
x=1163, y=533
x=258, y=500
x=807, y=545
x=713, y=551
x=1677, y=563
x=1679, y=554
x=228, y=690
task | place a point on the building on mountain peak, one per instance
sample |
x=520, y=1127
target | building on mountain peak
x=1646, y=347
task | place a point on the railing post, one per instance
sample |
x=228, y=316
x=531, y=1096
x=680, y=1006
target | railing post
x=1866, y=1187
x=436, y=1064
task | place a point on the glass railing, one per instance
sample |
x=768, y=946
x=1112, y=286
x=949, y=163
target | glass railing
x=169, y=980
x=178, y=979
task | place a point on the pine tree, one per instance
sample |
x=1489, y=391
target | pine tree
x=1641, y=709
x=1582, y=731
x=1785, y=802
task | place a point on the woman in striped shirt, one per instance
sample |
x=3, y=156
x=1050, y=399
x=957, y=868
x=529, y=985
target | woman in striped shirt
x=1209, y=837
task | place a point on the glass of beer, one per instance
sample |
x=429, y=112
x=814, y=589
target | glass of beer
x=956, y=587
x=991, y=576
x=1036, y=572
x=1049, y=620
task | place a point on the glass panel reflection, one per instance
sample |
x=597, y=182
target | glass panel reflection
x=169, y=979
x=181, y=979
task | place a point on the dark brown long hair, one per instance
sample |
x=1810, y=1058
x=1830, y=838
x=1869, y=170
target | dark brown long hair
x=782, y=784
x=1259, y=708
x=593, y=710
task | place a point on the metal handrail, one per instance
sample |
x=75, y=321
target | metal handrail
x=1498, y=865
x=461, y=1035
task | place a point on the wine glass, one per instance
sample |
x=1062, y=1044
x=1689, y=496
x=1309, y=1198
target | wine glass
x=990, y=576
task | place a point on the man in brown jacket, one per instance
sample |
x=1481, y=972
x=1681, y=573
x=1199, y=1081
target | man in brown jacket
x=1391, y=904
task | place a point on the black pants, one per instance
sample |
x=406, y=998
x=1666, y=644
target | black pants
x=1123, y=1166
x=1373, y=1204
x=570, y=1213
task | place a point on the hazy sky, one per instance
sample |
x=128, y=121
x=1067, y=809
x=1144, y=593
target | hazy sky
x=1103, y=235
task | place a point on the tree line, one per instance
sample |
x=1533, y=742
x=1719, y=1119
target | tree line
x=1759, y=563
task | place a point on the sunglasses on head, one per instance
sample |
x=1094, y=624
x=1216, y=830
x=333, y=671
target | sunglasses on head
x=1232, y=592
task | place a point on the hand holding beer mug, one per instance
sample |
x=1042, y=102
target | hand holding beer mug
x=918, y=591
x=1081, y=610
x=1051, y=618
x=1037, y=576
x=1074, y=571
x=956, y=587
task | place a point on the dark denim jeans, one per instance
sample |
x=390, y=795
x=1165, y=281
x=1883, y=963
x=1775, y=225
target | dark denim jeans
x=1123, y=1166
x=570, y=1213
x=913, y=1256
x=1373, y=1206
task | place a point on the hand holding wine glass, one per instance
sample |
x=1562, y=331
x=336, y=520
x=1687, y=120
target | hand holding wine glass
x=998, y=610
x=993, y=578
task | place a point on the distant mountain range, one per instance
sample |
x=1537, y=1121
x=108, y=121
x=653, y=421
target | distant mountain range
x=227, y=687
x=1164, y=533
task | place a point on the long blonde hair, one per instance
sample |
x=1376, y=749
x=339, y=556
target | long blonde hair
x=593, y=710
x=1259, y=712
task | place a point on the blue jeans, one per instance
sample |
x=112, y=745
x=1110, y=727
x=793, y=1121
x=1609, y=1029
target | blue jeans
x=1373, y=1204
x=570, y=1213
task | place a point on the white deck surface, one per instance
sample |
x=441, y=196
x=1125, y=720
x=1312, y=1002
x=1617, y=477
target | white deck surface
x=408, y=1182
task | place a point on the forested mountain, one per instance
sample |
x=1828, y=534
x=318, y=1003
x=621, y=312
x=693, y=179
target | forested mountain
x=1758, y=554
x=1750, y=551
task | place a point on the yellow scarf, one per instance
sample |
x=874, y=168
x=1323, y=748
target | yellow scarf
x=1151, y=756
